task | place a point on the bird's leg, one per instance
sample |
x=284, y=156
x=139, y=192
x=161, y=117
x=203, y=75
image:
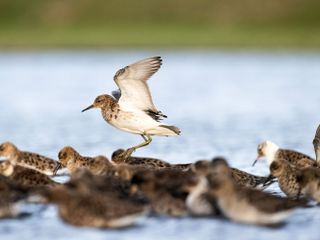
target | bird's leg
x=147, y=140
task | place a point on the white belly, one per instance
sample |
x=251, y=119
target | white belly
x=137, y=122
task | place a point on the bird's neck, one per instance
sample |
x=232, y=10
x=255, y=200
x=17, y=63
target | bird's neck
x=110, y=111
x=271, y=155
x=15, y=157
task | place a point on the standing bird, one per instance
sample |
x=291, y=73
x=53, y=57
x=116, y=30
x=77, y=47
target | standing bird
x=316, y=145
x=131, y=108
x=29, y=160
x=273, y=153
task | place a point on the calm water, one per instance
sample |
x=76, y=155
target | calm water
x=225, y=104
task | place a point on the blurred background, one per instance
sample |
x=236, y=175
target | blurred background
x=161, y=24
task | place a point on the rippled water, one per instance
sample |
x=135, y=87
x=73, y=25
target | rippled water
x=224, y=102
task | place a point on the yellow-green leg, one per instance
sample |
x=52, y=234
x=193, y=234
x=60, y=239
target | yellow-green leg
x=147, y=140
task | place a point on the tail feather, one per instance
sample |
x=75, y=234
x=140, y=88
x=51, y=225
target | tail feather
x=172, y=128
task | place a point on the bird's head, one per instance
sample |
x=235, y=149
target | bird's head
x=67, y=154
x=201, y=167
x=220, y=176
x=6, y=168
x=8, y=150
x=118, y=156
x=102, y=101
x=266, y=149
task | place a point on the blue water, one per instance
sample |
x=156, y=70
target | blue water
x=225, y=103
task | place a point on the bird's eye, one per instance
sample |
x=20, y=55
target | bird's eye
x=275, y=166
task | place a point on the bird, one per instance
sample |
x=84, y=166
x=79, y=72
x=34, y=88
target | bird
x=30, y=160
x=200, y=203
x=166, y=189
x=246, y=179
x=273, y=152
x=11, y=193
x=287, y=177
x=309, y=182
x=242, y=178
x=246, y=205
x=131, y=108
x=118, y=158
x=72, y=160
x=316, y=145
x=94, y=209
x=25, y=176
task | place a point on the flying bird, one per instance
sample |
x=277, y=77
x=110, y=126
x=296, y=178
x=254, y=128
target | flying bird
x=131, y=108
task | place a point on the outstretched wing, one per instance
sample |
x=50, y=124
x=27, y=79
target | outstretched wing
x=132, y=82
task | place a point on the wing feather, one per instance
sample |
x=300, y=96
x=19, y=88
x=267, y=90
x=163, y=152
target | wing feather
x=132, y=82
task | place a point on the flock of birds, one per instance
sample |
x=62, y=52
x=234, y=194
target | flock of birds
x=116, y=192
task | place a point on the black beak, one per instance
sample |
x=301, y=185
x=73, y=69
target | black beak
x=91, y=106
x=255, y=161
x=56, y=168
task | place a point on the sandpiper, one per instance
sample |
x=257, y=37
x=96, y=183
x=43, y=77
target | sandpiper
x=28, y=160
x=241, y=177
x=272, y=152
x=249, y=180
x=309, y=182
x=166, y=189
x=10, y=194
x=131, y=109
x=287, y=177
x=25, y=176
x=118, y=157
x=198, y=201
x=246, y=205
x=72, y=160
x=93, y=209
x=87, y=183
x=316, y=145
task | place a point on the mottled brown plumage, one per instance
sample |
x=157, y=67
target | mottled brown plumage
x=309, y=182
x=166, y=189
x=241, y=177
x=118, y=157
x=25, y=176
x=132, y=110
x=72, y=160
x=287, y=177
x=250, y=180
x=296, y=158
x=30, y=160
x=10, y=194
x=246, y=205
x=200, y=202
x=272, y=152
x=97, y=201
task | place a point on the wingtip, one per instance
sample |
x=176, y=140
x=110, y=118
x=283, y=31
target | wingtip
x=158, y=58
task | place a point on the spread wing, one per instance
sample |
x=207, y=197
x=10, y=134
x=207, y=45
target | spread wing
x=134, y=90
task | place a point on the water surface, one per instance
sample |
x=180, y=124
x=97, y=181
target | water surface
x=225, y=104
